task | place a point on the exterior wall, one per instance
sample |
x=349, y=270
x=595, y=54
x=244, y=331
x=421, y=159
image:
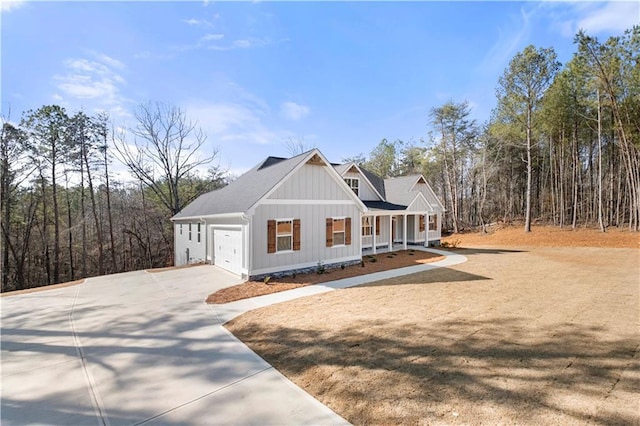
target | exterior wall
x=310, y=182
x=200, y=251
x=419, y=206
x=223, y=223
x=428, y=194
x=312, y=237
x=365, y=191
x=182, y=245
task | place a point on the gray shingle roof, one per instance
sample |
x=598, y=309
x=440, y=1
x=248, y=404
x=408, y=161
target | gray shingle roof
x=383, y=205
x=245, y=191
x=398, y=189
x=376, y=181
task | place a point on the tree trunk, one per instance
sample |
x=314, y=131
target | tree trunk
x=527, y=216
x=600, y=221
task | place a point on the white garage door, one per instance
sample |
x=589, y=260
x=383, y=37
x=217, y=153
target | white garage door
x=227, y=250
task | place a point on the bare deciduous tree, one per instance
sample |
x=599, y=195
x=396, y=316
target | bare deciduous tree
x=166, y=147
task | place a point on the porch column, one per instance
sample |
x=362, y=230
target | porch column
x=426, y=229
x=404, y=231
x=373, y=234
x=390, y=232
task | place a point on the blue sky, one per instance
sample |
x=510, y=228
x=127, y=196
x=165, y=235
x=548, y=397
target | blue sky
x=339, y=76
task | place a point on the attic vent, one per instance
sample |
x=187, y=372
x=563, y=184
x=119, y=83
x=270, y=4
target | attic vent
x=353, y=169
x=316, y=161
x=421, y=180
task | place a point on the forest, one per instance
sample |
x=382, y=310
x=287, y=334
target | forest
x=562, y=147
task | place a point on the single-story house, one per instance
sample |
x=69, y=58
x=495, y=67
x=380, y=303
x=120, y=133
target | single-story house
x=292, y=214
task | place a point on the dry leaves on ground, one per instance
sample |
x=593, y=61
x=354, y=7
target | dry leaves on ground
x=546, y=236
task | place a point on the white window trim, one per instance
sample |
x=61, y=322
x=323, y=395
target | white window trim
x=343, y=232
x=435, y=227
x=368, y=219
x=350, y=183
x=284, y=235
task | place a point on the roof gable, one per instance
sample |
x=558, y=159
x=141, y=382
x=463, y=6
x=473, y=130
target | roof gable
x=315, y=158
x=403, y=190
x=245, y=191
x=370, y=179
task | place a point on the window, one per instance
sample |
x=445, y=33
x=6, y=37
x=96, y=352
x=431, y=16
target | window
x=180, y=229
x=433, y=221
x=421, y=223
x=354, y=184
x=189, y=232
x=338, y=232
x=284, y=235
x=198, y=232
x=366, y=226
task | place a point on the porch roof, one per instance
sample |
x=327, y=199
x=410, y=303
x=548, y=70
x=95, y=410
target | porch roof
x=383, y=205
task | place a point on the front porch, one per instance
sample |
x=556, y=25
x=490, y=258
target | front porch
x=384, y=231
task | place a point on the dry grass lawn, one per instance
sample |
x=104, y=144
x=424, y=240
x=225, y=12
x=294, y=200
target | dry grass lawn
x=541, y=335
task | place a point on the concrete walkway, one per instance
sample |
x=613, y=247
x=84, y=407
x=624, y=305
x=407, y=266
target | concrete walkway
x=141, y=348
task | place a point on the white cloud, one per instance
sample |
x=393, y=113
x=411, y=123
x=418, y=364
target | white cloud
x=94, y=83
x=293, y=111
x=510, y=40
x=197, y=22
x=9, y=5
x=229, y=122
x=113, y=63
x=241, y=44
x=210, y=37
x=610, y=17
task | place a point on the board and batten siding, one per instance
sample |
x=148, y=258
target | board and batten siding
x=430, y=197
x=186, y=251
x=365, y=190
x=310, y=182
x=312, y=236
x=418, y=206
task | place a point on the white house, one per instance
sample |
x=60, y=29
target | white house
x=290, y=214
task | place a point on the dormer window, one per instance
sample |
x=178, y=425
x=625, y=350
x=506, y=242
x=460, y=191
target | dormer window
x=354, y=184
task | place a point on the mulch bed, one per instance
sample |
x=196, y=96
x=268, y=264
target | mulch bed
x=372, y=263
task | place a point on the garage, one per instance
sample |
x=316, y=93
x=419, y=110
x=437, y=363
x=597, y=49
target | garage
x=227, y=249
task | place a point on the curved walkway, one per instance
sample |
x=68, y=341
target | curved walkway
x=231, y=310
x=142, y=348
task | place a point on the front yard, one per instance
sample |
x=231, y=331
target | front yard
x=540, y=335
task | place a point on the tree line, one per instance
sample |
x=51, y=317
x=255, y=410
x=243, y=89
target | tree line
x=561, y=147
x=64, y=216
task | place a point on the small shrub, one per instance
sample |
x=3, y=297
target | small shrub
x=267, y=279
x=450, y=244
x=373, y=260
x=362, y=263
x=410, y=254
x=390, y=256
x=294, y=275
x=320, y=268
x=342, y=266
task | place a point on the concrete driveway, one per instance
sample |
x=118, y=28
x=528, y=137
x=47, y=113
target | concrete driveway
x=138, y=348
